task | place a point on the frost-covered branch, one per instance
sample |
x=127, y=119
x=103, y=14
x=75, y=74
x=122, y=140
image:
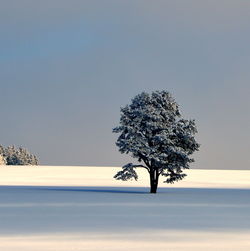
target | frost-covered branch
x=127, y=173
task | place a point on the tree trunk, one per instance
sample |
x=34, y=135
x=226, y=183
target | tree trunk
x=153, y=181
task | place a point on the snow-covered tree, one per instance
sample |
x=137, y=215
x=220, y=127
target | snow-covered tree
x=153, y=131
x=17, y=156
x=2, y=160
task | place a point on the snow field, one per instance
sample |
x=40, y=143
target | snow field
x=82, y=208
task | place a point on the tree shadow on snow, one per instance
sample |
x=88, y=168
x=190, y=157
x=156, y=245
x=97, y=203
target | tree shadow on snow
x=127, y=190
x=99, y=189
x=94, y=189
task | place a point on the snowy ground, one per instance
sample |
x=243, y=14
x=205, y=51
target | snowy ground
x=83, y=208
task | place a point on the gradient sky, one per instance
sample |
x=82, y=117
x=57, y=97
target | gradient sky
x=66, y=68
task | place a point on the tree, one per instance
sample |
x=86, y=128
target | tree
x=2, y=160
x=153, y=131
x=17, y=156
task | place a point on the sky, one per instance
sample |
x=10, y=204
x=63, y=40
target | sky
x=66, y=68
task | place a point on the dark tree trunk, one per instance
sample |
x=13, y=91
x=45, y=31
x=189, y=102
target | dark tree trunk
x=153, y=181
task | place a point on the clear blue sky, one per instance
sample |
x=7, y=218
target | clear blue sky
x=66, y=67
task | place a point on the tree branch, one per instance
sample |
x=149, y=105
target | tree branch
x=145, y=160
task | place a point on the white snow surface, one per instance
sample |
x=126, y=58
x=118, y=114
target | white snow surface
x=64, y=208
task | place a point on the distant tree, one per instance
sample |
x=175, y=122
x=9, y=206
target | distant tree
x=1, y=150
x=17, y=156
x=2, y=160
x=153, y=131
